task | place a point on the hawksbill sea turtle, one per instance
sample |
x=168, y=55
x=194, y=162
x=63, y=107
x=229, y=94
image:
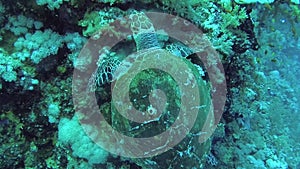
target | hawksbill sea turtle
x=189, y=152
x=146, y=39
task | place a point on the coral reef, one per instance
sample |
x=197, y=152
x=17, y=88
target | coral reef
x=51, y=51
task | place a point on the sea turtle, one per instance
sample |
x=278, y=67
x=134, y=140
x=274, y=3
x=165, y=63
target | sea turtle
x=189, y=152
x=145, y=37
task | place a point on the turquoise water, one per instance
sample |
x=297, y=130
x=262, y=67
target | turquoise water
x=149, y=84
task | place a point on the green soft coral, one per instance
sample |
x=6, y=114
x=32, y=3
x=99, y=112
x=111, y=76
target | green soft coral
x=234, y=18
x=218, y=18
x=95, y=21
x=91, y=22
